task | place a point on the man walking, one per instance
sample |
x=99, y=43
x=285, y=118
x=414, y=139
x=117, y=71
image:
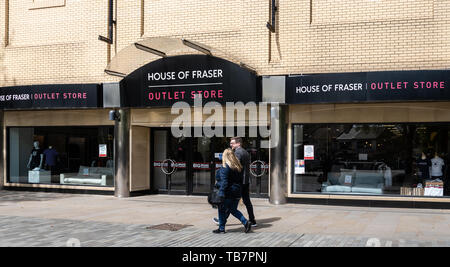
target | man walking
x=244, y=158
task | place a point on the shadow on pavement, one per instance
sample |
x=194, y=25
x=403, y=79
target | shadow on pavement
x=262, y=223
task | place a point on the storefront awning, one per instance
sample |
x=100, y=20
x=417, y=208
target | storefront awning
x=51, y=96
x=150, y=49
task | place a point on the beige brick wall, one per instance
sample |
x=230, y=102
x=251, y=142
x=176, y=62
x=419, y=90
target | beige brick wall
x=327, y=12
x=2, y=23
x=53, y=41
x=2, y=39
x=236, y=27
x=192, y=17
x=404, y=34
x=56, y=41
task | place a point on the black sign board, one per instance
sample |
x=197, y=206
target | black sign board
x=369, y=87
x=182, y=78
x=51, y=96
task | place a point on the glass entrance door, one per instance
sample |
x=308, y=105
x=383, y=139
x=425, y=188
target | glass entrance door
x=170, y=156
x=259, y=167
x=187, y=165
x=259, y=158
x=202, y=164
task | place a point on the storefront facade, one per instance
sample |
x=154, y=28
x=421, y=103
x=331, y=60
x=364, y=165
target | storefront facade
x=369, y=137
x=354, y=89
x=183, y=110
x=57, y=137
x=163, y=163
x=120, y=138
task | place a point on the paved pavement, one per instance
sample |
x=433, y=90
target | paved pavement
x=52, y=219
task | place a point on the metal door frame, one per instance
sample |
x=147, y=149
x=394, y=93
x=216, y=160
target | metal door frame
x=168, y=190
x=189, y=166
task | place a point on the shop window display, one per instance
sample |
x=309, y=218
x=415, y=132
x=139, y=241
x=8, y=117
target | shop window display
x=61, y=155
x=371, y=159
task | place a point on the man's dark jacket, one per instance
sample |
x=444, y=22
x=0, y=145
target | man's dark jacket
x=244, y=158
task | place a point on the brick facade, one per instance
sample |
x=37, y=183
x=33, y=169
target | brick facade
x=56, y=41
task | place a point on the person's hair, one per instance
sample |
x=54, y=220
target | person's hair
x=237, y=139
x=228, y=157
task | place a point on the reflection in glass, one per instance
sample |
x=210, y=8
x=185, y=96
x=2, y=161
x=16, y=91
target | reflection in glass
x=202, y=159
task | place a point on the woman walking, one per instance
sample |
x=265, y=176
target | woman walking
x=229, y=181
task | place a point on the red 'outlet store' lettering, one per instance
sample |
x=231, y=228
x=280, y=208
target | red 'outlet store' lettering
x=180, y=95
x=404, y=85
x=429, y=85
x=52, y=96
x=74, y=96
x=389, y=85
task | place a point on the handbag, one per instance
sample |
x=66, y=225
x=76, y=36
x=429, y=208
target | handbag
x=214, y=198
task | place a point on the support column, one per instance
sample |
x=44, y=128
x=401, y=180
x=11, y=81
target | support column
x=278, y=166
x=122, y=153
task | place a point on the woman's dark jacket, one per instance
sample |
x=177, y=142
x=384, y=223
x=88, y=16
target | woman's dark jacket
x=229, y=182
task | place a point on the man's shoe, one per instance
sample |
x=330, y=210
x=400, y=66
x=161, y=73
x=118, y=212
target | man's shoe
x=216, y=221
x=218, y=231
x=248, y=226
x=254, y=224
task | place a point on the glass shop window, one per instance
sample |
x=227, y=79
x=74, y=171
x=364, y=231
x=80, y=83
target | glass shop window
x=371, y=159
x=61, y=155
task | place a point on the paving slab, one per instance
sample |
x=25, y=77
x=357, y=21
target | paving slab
x=53, y=219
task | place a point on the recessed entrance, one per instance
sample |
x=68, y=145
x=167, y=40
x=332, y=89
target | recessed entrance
x=187, y=165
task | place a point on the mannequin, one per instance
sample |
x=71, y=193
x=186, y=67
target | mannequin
x=436, y=167
x=36, y=157
x=423, y=164
x=387, y=173
x=50, y=158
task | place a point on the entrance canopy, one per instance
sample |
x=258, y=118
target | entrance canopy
x=150, y=49
x=164, y=71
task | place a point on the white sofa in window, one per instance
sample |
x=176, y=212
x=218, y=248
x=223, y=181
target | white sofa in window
x=88, y=176
x=359, y=182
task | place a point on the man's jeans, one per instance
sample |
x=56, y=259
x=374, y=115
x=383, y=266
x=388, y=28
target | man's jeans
x=227, y=207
